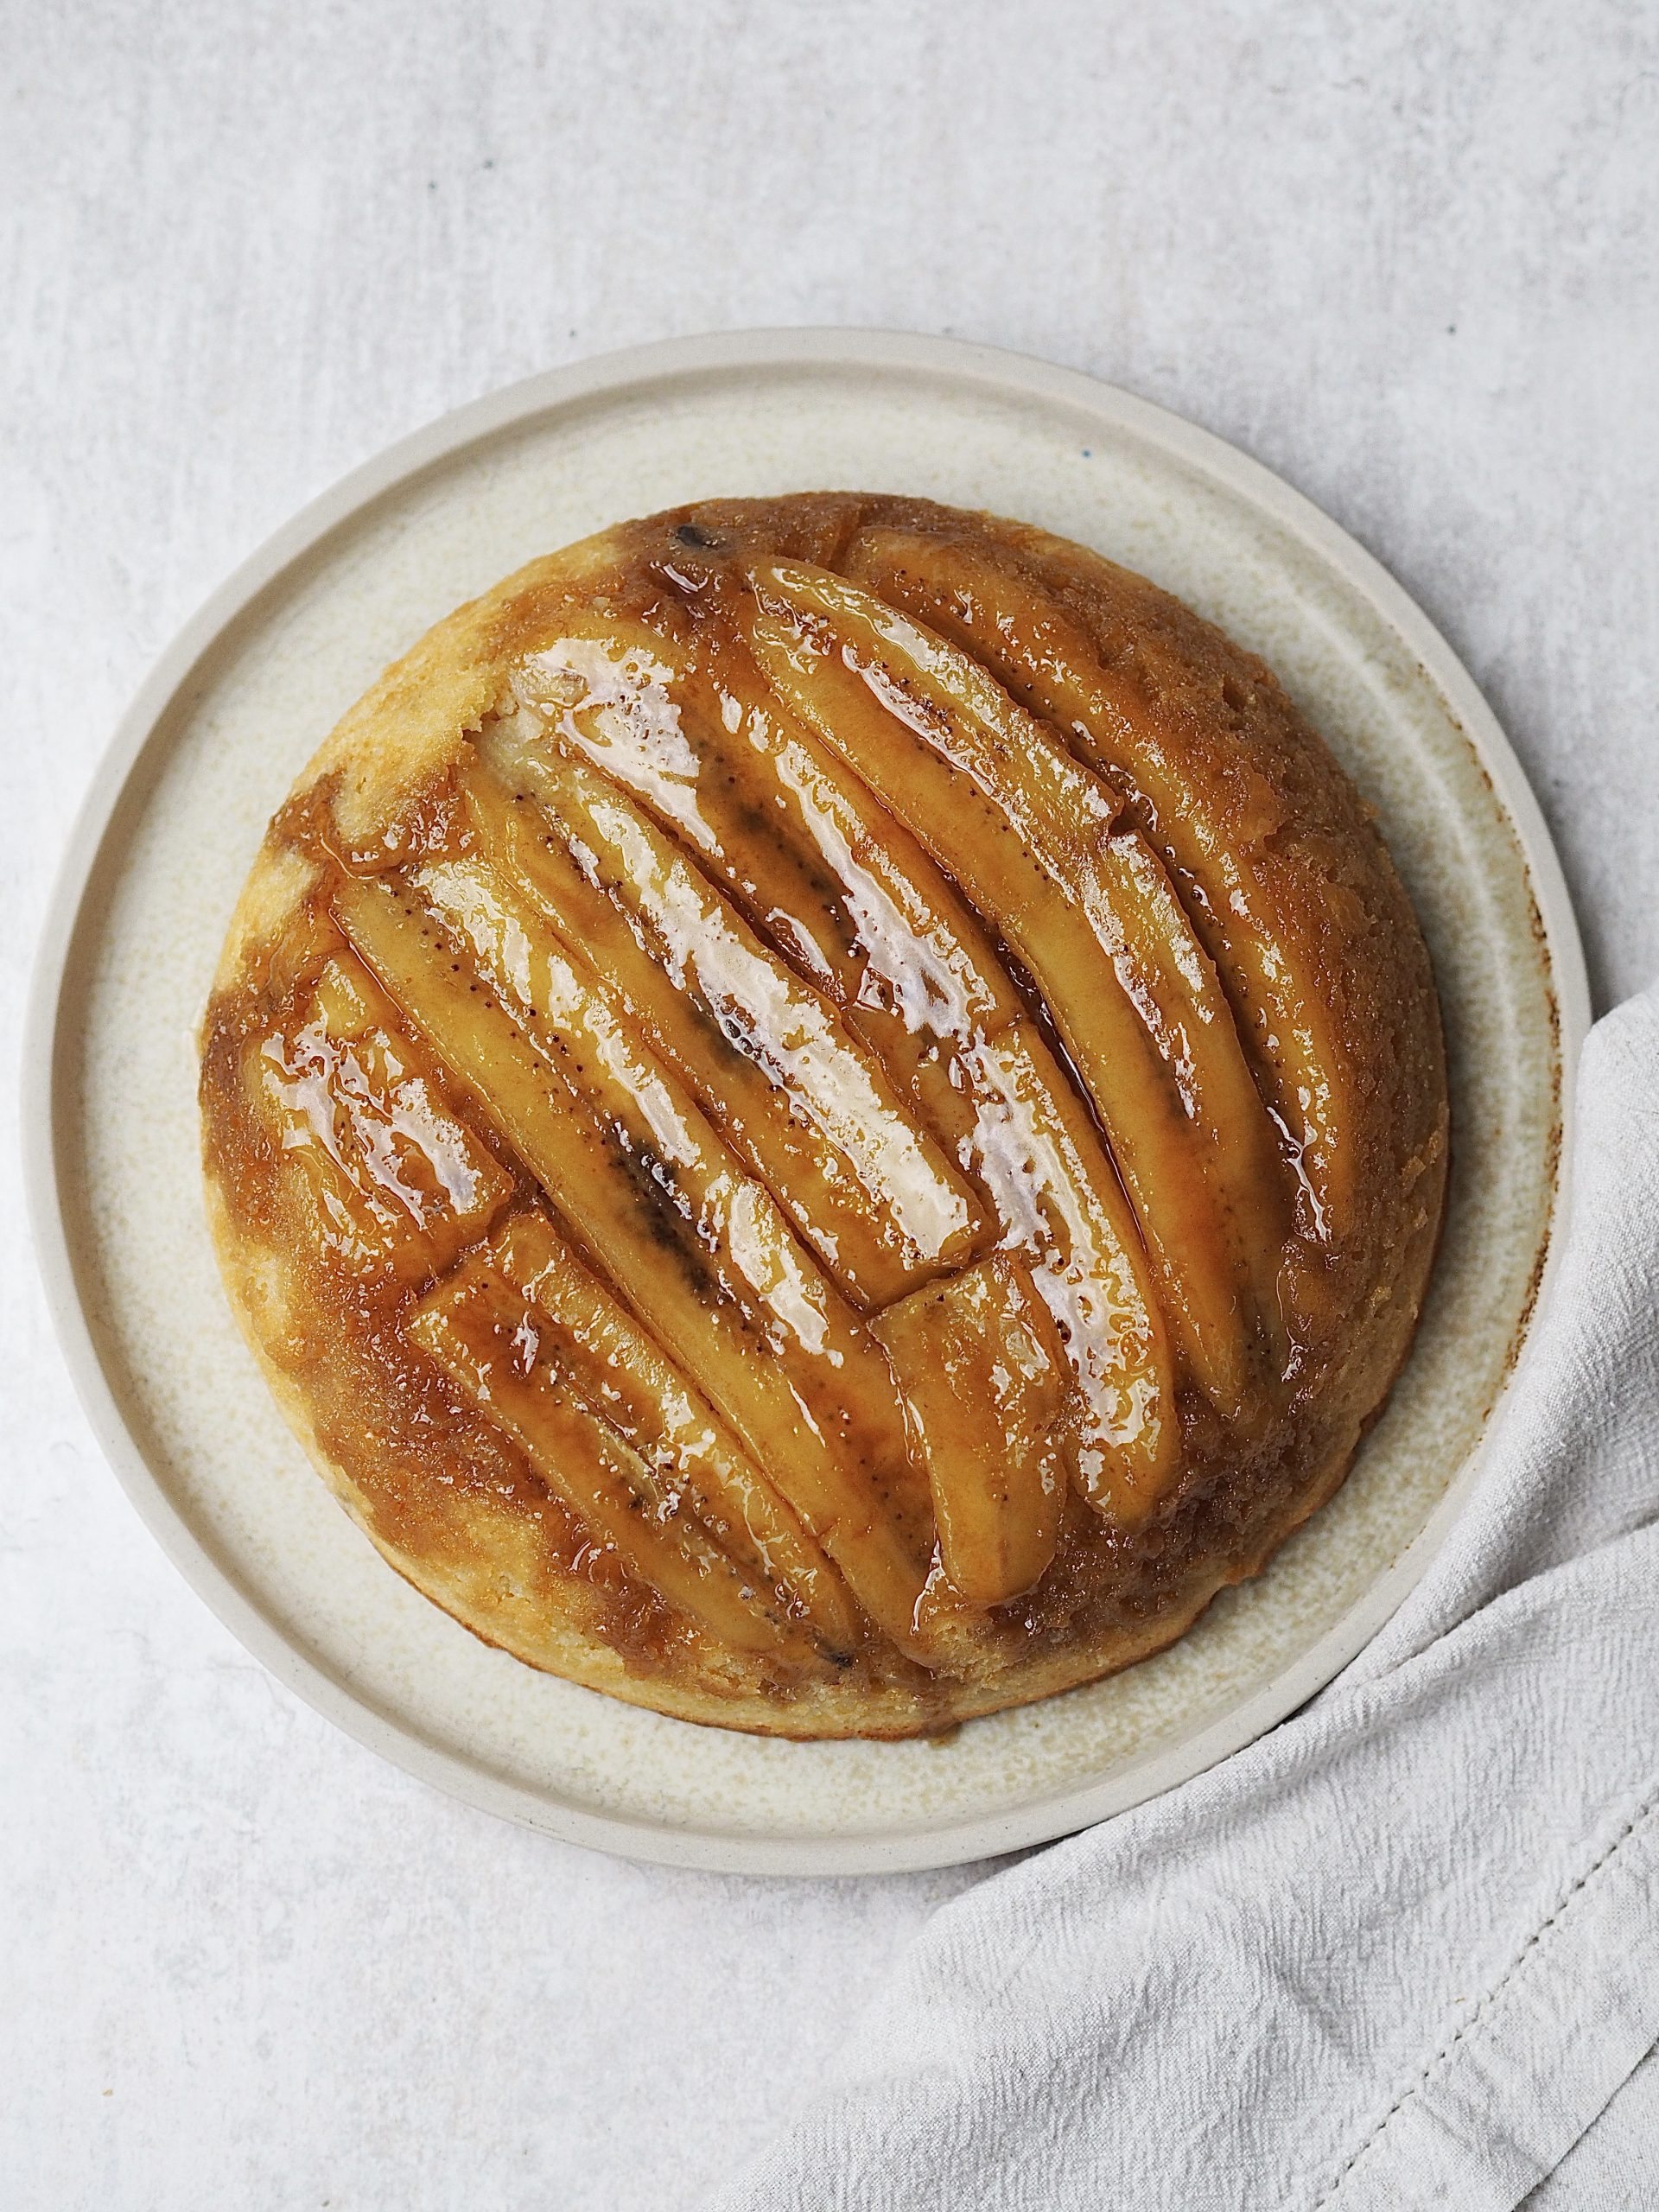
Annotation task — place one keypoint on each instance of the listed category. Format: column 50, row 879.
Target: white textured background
column 1407, row 254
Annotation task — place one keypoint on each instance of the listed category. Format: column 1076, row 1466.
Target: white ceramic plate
column 239, row 703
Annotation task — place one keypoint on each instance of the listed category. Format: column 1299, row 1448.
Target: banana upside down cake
column 826, row 1114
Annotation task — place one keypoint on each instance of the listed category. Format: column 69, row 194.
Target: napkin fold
column 1404, row 1950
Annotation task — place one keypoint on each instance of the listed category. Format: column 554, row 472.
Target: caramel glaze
column 803, row 1048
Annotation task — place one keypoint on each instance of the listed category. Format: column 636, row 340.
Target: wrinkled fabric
column 1403, row 1951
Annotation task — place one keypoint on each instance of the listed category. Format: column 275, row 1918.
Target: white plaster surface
column 1405, row 256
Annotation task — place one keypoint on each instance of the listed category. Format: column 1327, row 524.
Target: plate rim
column 957, row 1838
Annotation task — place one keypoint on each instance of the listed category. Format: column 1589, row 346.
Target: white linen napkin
column 1402, row 1952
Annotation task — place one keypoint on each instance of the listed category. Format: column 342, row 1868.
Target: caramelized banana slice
column 805, row 1103
column 399, row 1185
column 619, row 1374
column 1031, row 835
column 683, row 1247
column 608, row 685
column 1213, row 831
column 985, row 1377
column 1036, row 1152
column 478, row 1331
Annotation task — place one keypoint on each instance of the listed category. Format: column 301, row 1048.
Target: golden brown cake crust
column 1310, row 936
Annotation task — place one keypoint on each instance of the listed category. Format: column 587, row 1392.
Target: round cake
column 826, row 1114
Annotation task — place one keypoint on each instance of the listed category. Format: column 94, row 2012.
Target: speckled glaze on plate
column 240, row 701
